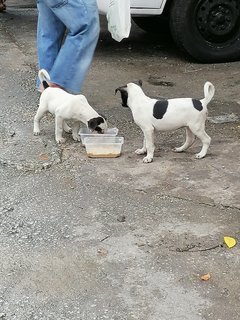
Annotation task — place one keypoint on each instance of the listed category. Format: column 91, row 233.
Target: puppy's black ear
column 140, row 83
column 121, row 89
column 94, row 122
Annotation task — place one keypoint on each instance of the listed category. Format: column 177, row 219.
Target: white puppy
column 66, row 106
column 152, row 114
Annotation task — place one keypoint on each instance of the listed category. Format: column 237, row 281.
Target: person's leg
column 50, row 33
column 75, row 56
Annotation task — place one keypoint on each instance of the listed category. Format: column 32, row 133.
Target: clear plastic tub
column 103, row 146
column 86, row 133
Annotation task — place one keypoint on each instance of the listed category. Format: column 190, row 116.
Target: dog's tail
column 44, row 76
column 209, row 91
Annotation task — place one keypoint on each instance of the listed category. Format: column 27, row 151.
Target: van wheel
column 208, row 30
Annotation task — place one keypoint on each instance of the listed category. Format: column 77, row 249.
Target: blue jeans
column 67, row 61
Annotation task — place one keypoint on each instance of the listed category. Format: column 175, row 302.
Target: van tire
column 208, row 30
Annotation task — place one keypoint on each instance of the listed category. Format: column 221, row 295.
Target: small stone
column 102, row 252
column 12, row 133
column 121, row 218
column 8, row 209
column 46, row 165
column 140, row 244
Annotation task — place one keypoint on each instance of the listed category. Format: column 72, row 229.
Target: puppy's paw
column 147, row 159
column 141, row 151
column 199, row 155
column 76, row 137
column 36, row 133
column 60, row 140
column 177, row 149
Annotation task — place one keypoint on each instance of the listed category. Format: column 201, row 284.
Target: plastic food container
column 85, row 133
column 103, row 146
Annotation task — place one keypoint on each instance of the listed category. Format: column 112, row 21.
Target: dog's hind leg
column 75, row 131
column 190, row 138
column 66, row 127
column 40, row 113
column 205, row 139
column 59, row 129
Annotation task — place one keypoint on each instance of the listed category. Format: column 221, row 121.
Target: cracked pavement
column 115, row 238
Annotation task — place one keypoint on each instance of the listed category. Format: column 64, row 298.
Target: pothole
column 224, row 118
column 156, row 81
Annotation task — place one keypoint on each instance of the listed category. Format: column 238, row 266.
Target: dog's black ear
column 124, row 95
column 121, row 89
column 94, row 122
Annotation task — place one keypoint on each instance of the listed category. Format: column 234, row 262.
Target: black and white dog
column 152, row 114
column 66, row 106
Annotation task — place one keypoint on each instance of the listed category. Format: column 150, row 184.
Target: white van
column 208, row 30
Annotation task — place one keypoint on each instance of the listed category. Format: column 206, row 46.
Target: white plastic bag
column 119, row 19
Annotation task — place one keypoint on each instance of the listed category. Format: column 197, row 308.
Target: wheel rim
column 218, row 21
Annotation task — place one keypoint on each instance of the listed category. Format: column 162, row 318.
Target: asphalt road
column 116, row 238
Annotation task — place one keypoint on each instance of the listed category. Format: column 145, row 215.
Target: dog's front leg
column 149, row 141
column 143, row 150
column 66, row 127
column 75, row 130
column 59, row 129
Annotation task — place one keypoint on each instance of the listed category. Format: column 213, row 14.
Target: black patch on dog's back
column 160, row 108
column 197, row 104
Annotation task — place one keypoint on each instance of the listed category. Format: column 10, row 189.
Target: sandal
column 2, row 5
